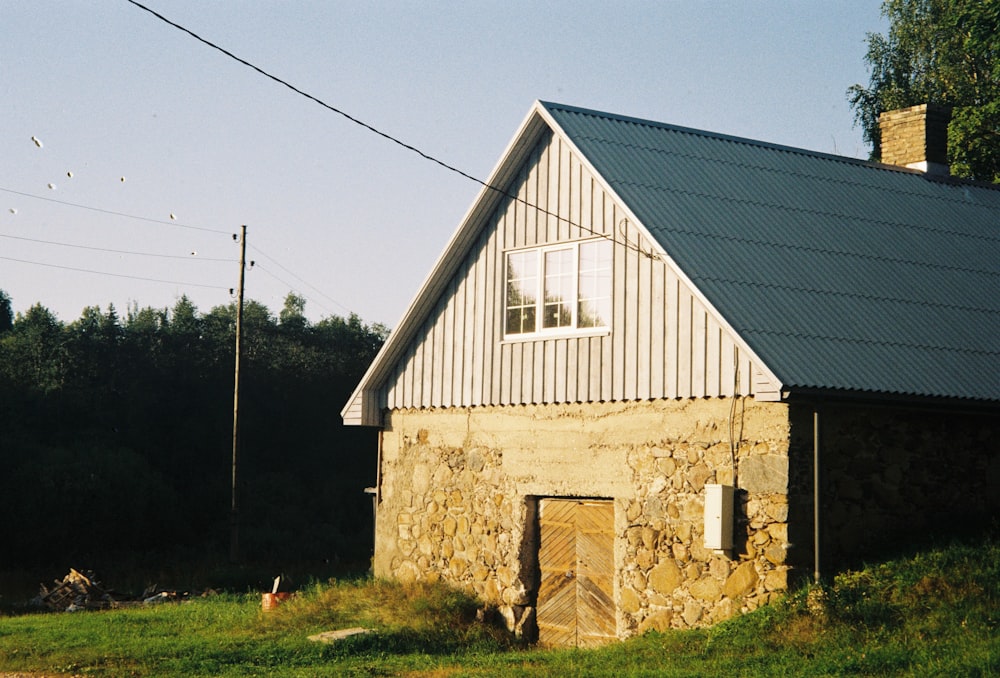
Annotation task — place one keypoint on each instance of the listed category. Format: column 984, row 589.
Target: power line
column 113, row 275
column 148, row 254
column 385, row 135
column 286, row 284
column 297, row 277
column 117, row 214
column 112, row 251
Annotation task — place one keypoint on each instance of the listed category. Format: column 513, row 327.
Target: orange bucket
column 269, row 601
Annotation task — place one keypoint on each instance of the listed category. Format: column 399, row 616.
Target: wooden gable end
column 663, row 342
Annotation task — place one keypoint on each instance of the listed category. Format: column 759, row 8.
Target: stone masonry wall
column 459, row 489
column 892, row 476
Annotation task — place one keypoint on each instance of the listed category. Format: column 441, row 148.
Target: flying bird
column 52, row 186
column 38, row 142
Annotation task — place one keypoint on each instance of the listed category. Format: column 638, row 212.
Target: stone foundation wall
column 892, row 476
column 459, row 489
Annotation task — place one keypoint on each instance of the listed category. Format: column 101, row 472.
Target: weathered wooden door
column 576, row 559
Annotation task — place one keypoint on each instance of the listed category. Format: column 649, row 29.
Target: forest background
column 116, row 438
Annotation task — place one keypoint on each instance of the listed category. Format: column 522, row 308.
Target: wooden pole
column 816, row 496
column 234, row 513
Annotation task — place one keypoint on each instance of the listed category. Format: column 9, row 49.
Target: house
column 660, row 374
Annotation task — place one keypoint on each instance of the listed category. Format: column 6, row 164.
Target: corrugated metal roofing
column 840, row 274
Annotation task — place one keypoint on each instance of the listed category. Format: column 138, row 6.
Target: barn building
column 658, row 374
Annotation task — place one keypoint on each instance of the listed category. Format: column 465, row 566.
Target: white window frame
column 571, row 330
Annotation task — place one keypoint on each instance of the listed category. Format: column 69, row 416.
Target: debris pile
column 82, row 591
column 76, row 591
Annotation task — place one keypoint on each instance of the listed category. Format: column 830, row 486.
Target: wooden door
column 576, row 561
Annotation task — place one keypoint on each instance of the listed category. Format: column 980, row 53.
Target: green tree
column 6, row 313
column 292, row 316
column 944, row 52
column 34, row 355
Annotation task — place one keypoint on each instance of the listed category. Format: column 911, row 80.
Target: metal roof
column 840, row 274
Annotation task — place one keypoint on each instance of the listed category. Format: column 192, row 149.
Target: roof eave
column 530, row 130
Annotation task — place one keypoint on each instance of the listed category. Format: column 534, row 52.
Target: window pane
column 522, row 292
column 558, row 306
column 594, row 302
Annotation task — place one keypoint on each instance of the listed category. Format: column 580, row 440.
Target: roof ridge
column 944, row 179
column 714, row 135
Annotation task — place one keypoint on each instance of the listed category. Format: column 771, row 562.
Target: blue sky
column 157, row 148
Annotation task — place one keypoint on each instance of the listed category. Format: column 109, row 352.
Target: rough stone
column 692, row 613
column 765, row 474
column 475, row 461
column 776, row 580
column 666, row 466
column 706, row 589
column 458, row 566
column 719, row 567
column 644, row 558
column 698, row 475
column 776, row 553
column 778, row 531
column 665, row 577
column 659, row 621
column 630, row 601
column 680, row 552
column 741, row 581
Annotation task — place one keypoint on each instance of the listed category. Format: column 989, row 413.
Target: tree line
column 116, row 433
column 943, row 52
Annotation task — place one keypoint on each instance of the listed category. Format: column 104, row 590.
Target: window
column 559, row 288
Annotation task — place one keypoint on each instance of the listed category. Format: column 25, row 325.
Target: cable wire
column 117, row 214
column 290, row 287
column 105, row 249
column 113, row 275
column 297, row 277
column 148, row 254
column 385, row 135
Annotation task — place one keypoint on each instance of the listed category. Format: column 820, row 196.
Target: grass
column 932, row 613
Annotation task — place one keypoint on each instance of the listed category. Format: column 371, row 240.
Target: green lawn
column 932, row 614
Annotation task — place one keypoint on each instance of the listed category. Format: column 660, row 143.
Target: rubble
column 82, row 591
column 76, row 591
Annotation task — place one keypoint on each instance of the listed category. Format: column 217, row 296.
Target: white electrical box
column 719, row 517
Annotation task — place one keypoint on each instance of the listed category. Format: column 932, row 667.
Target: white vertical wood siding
column 663, row 343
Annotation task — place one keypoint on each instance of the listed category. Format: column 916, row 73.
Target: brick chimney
column 916, row 137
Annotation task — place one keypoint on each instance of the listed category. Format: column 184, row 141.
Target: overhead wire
column 290, row 286
column 113, row 275
column 150, row 254
column 117, row 214
column 114, row 251
column 297, row 277
column 385, row 135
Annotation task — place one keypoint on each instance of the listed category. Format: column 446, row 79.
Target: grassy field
column 933, row 613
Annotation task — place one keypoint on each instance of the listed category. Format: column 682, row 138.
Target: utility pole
column 234, row 513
